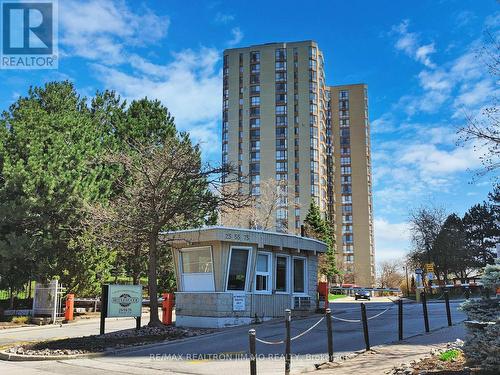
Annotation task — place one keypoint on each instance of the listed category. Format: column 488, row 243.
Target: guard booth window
column 281, row 274
column 197, row 270
column 299, row 275
column 263, row 273
column 237, row 273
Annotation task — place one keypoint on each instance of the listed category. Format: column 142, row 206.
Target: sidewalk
column 385, row 357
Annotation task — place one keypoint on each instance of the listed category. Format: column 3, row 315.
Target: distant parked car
column 362, row 294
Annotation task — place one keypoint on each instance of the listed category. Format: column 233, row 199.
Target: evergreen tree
column 450, row 252
column 50, row 151
column 481, row 232
column 321, row 229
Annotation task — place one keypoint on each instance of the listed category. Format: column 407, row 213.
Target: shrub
column 20, row 319
column 449, row 355
column 482, row 343
column 491, row 276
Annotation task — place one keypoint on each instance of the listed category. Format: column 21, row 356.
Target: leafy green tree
column 319, row 228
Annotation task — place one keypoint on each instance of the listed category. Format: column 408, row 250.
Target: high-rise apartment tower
column 282, row 123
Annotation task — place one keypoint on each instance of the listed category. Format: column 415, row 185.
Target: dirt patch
column 449, row 360
column 436, row 365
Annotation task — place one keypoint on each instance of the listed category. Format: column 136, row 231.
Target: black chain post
column 253, row 355
column 448, row 311
column 329, row 332
column 288, row 317
column 424, row 307
column 400, row 319
column 365, row 326
column 104, row 308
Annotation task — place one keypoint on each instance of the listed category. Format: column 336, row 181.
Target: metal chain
column 394, row 300
column 317, row 323
column 346, row 320
column 307, row 330
column 269, row 342
column 383, row 312
column 293, row 338
column 442, row 294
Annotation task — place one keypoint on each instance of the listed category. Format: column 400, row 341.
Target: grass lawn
column 333, row 297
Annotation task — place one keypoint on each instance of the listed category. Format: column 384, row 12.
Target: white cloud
column 435, row 80
column 422, row 54
column 473, row 94
column 383, row 124
column 432, row 161
column 188, row 86
column 237, row 36
column 102, row 30
column 392, row 240
column 109, row 33
column 423, row 161
column 409, row 43
column 223, row 18
column 464, row 17
column 493, row 20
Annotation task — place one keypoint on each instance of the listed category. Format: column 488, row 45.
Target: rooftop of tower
column 309, row 41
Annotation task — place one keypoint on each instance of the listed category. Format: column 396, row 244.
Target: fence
column 350, row 291
column 329, row 318
column 48, row 300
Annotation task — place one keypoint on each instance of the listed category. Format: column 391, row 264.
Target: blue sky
column 418, row 58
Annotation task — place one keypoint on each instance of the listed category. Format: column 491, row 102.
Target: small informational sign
column 418, row 277
column 238, row 302
column 124, row 301
column 429, row 268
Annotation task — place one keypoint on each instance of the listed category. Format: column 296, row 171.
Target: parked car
column 362, row 294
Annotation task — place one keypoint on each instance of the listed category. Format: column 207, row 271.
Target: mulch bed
column 108, row 341
column 434, row 365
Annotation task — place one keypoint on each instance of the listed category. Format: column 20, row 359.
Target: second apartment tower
column 282, row 124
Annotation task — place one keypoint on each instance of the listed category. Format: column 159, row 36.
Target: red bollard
column 167, row 307
column 323, row 290
column 70, row 304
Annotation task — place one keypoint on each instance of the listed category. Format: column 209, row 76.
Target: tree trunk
column 136, row 272
column 154, row 320
column 11, row 298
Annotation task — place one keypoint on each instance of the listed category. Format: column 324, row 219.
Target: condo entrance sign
column 121, row 301
column 124, row 301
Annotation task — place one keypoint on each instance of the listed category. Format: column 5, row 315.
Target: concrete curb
column 58, row 325
column 4, row 356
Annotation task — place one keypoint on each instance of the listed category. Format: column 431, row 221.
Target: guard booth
column 231, row 276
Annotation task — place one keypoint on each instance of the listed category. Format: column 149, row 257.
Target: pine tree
column 481, row 232
column 50, row 147
column 321, row 229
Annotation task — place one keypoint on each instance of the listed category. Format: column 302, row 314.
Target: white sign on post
column 238, row 302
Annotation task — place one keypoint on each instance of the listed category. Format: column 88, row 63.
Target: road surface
column 184, row 356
